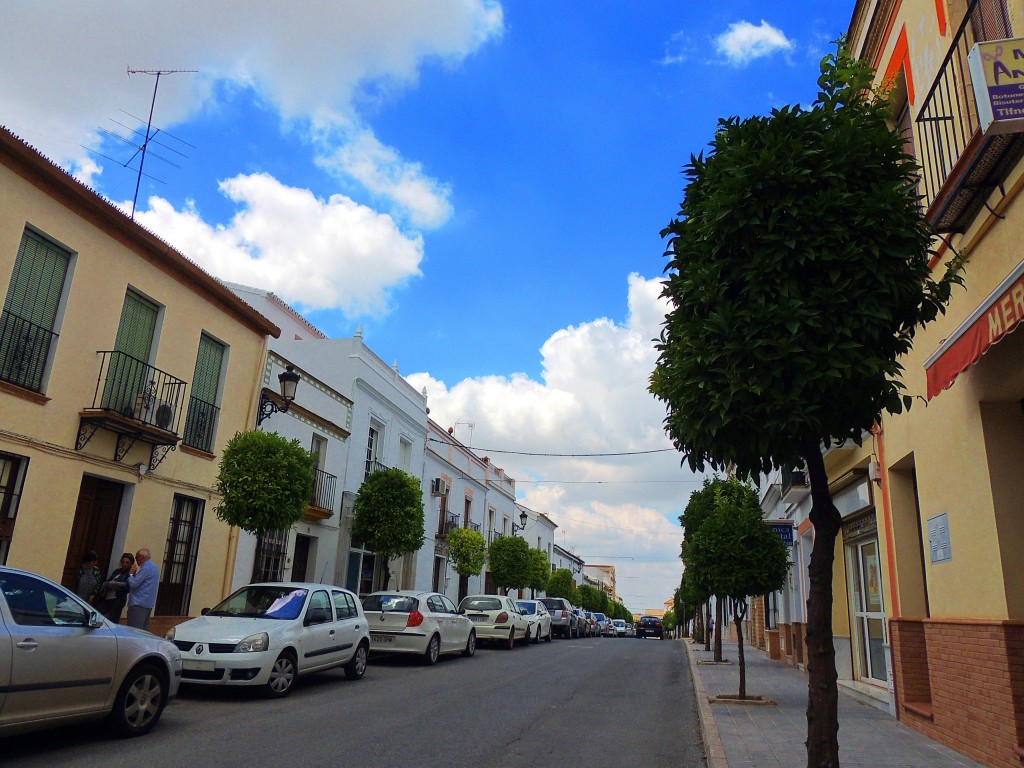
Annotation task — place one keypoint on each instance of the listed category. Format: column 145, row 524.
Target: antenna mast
column 149, row 123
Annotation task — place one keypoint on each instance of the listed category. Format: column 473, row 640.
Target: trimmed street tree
column 510, row 562
column 540, row 571
column 738, row 555
column 389, row 515
column 560, row 585
column 698, row 509
column 265, row 482
column 798, row 274
column 467, row 551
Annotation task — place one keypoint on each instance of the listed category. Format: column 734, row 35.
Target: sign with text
column 997, row 71
column 784, row 531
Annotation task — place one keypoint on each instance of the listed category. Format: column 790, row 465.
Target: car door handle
column 28, row 645
column 332, row 633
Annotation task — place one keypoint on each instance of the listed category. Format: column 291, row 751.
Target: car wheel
column 511, row 642
column 548, row 638
column 356, row 668
column 433, row 651
column 282, row 675
column 470, row 648
column 536, row 640
column 139, row 702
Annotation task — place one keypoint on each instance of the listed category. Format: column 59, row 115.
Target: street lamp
column 289, row 381
column 522, row 521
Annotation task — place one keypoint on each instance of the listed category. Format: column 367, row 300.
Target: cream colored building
column 124, row 369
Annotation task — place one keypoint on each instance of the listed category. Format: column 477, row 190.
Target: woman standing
column 114, row 591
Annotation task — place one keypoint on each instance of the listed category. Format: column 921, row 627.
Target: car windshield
column 552, row 604
column 263, row 602
column 599, row 617
column 481, row 604
column 392, row 603
column 527, row 607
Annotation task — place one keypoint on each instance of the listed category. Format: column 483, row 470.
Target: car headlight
column 253, row 643
column 170, row 635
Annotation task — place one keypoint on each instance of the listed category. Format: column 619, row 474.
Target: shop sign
column 784, row 531
column 997, row 72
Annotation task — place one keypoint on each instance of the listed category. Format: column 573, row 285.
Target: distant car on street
column 601, row 620
column 650, row 626
column 620, row 627
column 540, row 620
column 496, row 618
column 563, row 620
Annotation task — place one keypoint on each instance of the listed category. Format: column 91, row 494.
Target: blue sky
column 479, row 186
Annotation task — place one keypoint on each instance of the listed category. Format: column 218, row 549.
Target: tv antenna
column 472, row 428
column 150, row 133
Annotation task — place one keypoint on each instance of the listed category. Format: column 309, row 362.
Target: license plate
column 479, row 617
column 199, row 666
column 382, row 638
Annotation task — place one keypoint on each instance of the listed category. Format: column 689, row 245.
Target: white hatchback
column 496, row 617
column 266, row 635
column 540, row 620
column 425, row 624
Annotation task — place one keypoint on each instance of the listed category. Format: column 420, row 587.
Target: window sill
column 24, row 394
column 920, row 708
column 197, row 452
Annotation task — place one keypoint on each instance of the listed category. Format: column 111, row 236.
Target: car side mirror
column 205, row 611
column 95, row 620
column 462, row 611
column 315, row 616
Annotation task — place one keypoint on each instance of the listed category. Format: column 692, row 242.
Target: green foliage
column 735, row 553
column 467, row 550
column 560, row 585
column 589, row 597
column 511, row 562
column 540, row 570
column 265, row 482
column 669, row 621
column 389, row 513
column 797, row 276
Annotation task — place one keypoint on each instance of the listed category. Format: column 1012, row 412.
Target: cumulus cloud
column 312, row 66
column 592, row 399
column 315, row 253
column 743, row 42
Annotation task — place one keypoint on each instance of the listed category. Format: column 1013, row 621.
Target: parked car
column 591, row 623
column 619, row 625
column 608, row 630
column 266, row 635
column 563, row 620
column 582, row 623
column 496, row 618
column 630, row 631
column 540, row 620
column 62, row 662
column 601, row 621
column 650, row 626
column 419, row 623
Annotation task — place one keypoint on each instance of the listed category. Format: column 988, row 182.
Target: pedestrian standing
column 114, row 592
column 89, row 578
column 142, row 586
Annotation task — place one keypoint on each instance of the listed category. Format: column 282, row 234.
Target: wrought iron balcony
column 138, row 402
column 493, row 536
column 473, row 526
column 374, row 466
column 24, row 349
column 200, row 424
column 794, row 484
column 447, row 522
column 959, row 166
column 321, row 499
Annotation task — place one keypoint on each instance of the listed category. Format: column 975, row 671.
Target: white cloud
column 678, row 49
column 743, row 42
column 315, row 253
column 313, row 64
column 592, row 399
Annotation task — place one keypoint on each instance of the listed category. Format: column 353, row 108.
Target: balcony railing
column 447, row 522
column 373, row 465
column 24, row 349
column 473, row 526
column 135, row 390
column 200, row 424
column 493, row 536
column 959, row 166
column 324, row 485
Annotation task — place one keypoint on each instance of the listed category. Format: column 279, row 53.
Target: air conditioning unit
column 152, row 410
column 438, row 487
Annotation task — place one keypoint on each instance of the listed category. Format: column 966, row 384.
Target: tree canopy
column 467, row 550
column 540, row 570
column 510, row 562
column 389, row 514
column 265, row 482
column 560, row 585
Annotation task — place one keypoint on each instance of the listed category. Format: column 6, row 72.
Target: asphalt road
column 590, row 702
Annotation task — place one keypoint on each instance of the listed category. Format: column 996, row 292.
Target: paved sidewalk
column 767, row 736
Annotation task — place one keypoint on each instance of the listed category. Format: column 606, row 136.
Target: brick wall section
column 972, row 676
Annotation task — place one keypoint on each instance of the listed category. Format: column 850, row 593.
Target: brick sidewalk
column 770, row 736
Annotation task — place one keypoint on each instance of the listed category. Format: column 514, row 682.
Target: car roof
column 404, row 592
column 295, row 585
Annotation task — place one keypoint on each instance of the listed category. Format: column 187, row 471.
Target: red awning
column 1000, row 313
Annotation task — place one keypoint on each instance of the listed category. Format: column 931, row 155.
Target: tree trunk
column 707, row 625
column 463, row 587
column 739, row 655
column 719, row 616
column 698, row 624
column 822, row 686
column 387, row 572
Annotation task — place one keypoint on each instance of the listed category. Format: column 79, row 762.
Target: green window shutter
column 137, row 327
column 40, row 269
column 208, row 365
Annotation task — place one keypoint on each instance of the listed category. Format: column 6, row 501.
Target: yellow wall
column 103, row 268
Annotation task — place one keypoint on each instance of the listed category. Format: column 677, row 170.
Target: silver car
column 62, row 662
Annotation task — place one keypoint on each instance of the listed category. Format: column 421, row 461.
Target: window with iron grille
column 201, row 422
column 179, row 569
column 270, row 554
column 12, row 477
column 28, row 324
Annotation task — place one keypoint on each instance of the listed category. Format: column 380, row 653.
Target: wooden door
column 99, row 504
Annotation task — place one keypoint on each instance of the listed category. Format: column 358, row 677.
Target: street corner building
column 928, row 583
column 124, row 370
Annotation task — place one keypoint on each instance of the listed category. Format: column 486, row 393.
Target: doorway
column 869, row 613
column 99, row 504
column 300, row 559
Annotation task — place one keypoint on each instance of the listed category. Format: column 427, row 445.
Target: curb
column 714, row 749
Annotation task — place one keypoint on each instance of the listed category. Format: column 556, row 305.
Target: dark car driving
column 650, row 626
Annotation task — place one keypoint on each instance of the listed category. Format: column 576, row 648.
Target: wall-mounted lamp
column 288, row 380
column 522, row 521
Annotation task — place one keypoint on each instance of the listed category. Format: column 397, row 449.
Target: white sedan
column 497, row 618
column 424, row 624
column 539, row 618
column 266, row 635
